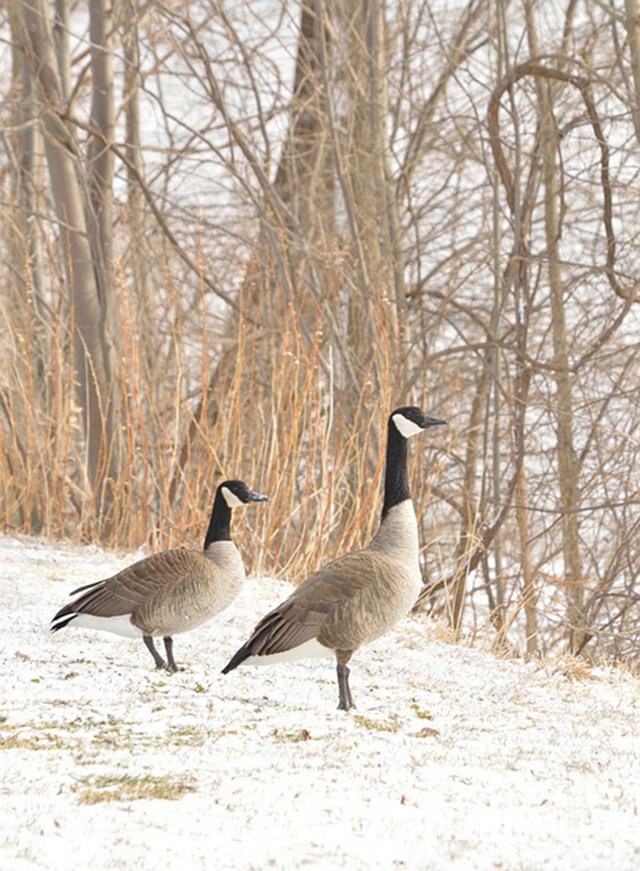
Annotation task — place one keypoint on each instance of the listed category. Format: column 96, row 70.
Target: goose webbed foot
column 346, row 701
column 159, row 661
column 172, row 666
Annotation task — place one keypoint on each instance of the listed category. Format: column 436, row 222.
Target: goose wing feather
column 123, row 592
column 323, row 602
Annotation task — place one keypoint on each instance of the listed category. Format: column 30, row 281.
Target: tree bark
column 93, row 373
column 469, row 534
column 567, row 466
column 632, row 23
column 305, row 175
column 567, row 463
column 23, row 231
column 378, row 282
column 529, row 595
column 61, row 42
column 138, row 260
column 99, row 155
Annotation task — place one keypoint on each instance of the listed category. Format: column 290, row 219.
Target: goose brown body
column 352, row 600
column 169, row 592
column 211, row 582
column 359, row 596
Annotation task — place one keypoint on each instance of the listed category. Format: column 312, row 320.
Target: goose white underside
column 311, row 649
column 120, row 625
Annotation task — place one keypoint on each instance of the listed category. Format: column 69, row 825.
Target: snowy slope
column 454, row 759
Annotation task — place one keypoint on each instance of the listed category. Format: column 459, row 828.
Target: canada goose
column 359, row 596
column 171, row 591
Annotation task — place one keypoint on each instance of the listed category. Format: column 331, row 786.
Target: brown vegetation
column 235, row 238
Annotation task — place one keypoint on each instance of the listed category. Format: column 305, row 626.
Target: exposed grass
column 36, row 740
column 127, row 787
column 88, row 732
column 420, row 712
column 571, row 667
column 393, row 724
column 186, row 736
column 293, row 737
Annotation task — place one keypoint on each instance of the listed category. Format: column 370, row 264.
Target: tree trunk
column 93, row 373
column 138, row 261
column 469, row 532
column 99, row 155
column 23, row 231
column 529, row 596
column 305, row 176
column 100, row 224
column 567, row 462
column 632, row 24
column 567, row 465
column 61, row 42
column 285, row 264
column 378, row 282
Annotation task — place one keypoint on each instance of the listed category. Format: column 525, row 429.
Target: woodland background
column 236, row 234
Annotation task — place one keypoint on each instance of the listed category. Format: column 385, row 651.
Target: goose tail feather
column 62, row 618
column 237, row 659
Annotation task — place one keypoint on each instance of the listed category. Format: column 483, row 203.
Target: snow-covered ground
column 454, row 759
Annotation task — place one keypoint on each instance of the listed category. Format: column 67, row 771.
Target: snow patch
column 453, row 760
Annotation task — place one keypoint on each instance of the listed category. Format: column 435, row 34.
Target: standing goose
column 171, row 591
column 359, row 596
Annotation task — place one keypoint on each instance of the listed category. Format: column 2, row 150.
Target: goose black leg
column 346, row 702
column 159, row 661
column 168, row 646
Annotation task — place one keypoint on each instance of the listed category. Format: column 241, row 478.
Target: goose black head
column 410, row 419
column 236, row 493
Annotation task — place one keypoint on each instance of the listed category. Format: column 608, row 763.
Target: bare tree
column 275, row 223
column 89, row 297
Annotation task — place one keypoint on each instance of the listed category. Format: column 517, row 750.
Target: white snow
column 454, row 759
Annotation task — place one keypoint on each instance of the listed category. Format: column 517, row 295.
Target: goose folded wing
column 123, row 592
column 318, row 601
column 284, row 628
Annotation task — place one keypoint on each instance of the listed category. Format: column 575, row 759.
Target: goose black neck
column 220, row 523
column 396, row 481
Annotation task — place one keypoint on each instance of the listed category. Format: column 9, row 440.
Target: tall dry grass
column 199, row 407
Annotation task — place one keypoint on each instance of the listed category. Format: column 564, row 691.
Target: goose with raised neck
column 361, row 595
column 168, row 592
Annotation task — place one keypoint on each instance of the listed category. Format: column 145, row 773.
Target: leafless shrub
column 318, row 212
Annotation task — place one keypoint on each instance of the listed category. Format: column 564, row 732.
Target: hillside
column 454, row 759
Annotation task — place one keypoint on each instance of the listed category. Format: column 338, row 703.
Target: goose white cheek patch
column 231, row 499
column 406, row 427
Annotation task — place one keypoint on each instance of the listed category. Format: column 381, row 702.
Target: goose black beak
column 432, row 421
column 256, row 497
